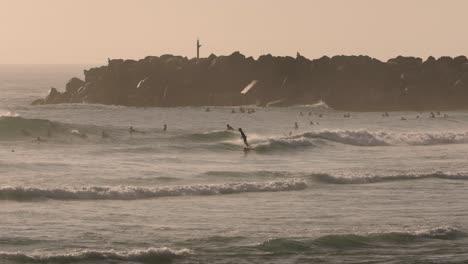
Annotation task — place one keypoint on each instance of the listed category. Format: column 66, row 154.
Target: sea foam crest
column 134, row 193
column 349, row 241
column 374, row 138
column 150, row 255
column 278, row 144
column 363, row 179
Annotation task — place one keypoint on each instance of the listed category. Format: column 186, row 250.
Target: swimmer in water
column 244, row 137
column 25, row 132
column 104, row 134
column 230, row 128
column 165, row 128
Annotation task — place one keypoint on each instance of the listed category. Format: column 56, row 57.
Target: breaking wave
column 283, row 144
column 363, row 179
column 210, row 136
column 371, row 138
column 150, row 255
column 20, row 193
column 349, row 241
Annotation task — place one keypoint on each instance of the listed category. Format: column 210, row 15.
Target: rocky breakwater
column 357, row 83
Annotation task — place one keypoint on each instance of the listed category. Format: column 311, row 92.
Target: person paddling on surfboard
column 230, row 128
column 244, row 137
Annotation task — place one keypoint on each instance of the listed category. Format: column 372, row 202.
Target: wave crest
column 334, row 179
column 283, row 144
column 21, row 193
column 373, row 138
column 349, row 241
column 149, row 255
column 215, row 135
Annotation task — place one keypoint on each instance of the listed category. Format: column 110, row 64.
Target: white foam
column 134, row 193
column 372, row 138
column 150, row 255
column 8, row 113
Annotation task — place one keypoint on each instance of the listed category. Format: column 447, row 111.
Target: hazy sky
column 90, row 31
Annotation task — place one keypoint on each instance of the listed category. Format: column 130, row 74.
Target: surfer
column 165, row 127
column 296, row 126
column 131, row 130
column 230, row 128
column 244, row 137
column 25, row 133
column 104, row 134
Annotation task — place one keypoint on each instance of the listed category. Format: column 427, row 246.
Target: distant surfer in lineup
column 244, row 137
column 131, row 130
column 104, row 134
column 165, row 127
column 230, row 128
column 25, row 132
column 296, row 126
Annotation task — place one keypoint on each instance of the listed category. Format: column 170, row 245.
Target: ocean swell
column 363, row 179
column 21, row 193
column 350, row 241
column 374, row 138
column 150, row 255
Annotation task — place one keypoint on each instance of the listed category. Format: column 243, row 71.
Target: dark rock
column 73, row 85
column 343, row 82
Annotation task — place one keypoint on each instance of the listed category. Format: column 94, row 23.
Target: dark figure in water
column 25, row 133
column 432, row 115
column 39, row 139
column 165, row 128
column 104, row 134
column 131, row 130
column 244, row 137
column 230, row 128
column 296, row 126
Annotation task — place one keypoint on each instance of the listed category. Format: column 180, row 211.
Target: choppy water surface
column 364, row 189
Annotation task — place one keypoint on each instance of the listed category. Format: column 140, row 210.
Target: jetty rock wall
column 355, row 83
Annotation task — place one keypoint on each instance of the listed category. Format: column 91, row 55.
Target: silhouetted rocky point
column 343, row 82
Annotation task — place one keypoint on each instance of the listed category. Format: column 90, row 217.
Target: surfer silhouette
column 165, row 127
column 104, row 134
column 230, row 128
column 244, row 137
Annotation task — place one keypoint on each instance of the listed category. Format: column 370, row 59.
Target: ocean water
column 364, row 189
